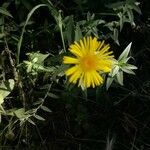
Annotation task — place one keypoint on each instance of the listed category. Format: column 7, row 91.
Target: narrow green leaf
column 109, row 82
column 53, row 95
column 135, row 7
column 38, row 102
column 30, row 121
column 1, row 99
column 78, row 33
column 125, row 60
column 127, row 71
column 39, row 117
column 125, row 53
column 121, row 21
column 129, row 66
column 2, row 111
column 115, row 36
column 70, row 33
column 131, row 16
column 120, row 77
column 115, row 71
column 45, row 109
column 3, row 11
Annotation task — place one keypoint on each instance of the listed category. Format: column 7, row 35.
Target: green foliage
column 5, row 89
column 121, row 66
column 124, row 12
column 39, row 109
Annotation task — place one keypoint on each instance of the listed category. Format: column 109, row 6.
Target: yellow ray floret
column 90, row 59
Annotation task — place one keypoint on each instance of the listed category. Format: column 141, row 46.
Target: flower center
column 88, row 63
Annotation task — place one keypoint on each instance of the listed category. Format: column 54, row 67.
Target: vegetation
column 41, row 107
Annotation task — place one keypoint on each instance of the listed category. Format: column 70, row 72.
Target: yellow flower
column 91, row 59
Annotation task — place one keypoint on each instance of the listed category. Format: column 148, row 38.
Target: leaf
column 135, row 7
column 38, row 102
column 121, row 21
column 45, row 109
column 78, row 33
column 61, row 69
column 20, row 113
column 131, row 16
column 53, row 95
column 125, row 53
column 116, row 5
column 127, row 71
column 1, row 99
column 115, row 35
column 30, row 121
column 10, row 112
column 2, row 35
column 37, row 57
column 39, row 117
column 42, row 68
column 69, row 29
column 125, row 60
column 5, row 89
column 110, row 143
column 3, row 11
column 109, row 82
column 115, row 71
column 2, row 111
column 129, row 66
column 120, row 77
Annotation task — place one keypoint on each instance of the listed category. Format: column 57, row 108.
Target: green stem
column 62, row 38
column 60, row 24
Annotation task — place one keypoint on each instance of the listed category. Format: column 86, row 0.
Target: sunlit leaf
column 20, row 113
column 127, row 71
column 30, row 121
column 125, row 53
column 38, row 56
column 129, row 66
column 120, row 77
column 5, row 89
column 109, row 82
column 1, row 99
column 39, row 117
column 115, row 71
column 45, row 108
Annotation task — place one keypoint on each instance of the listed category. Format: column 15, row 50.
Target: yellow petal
column 70, row 60
column 76, row 50
column 71, row 70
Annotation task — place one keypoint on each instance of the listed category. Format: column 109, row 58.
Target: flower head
column 91, row 59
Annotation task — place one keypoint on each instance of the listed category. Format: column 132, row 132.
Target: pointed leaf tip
column 125, row 53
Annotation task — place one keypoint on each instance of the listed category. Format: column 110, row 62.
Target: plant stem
column 62, row 38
